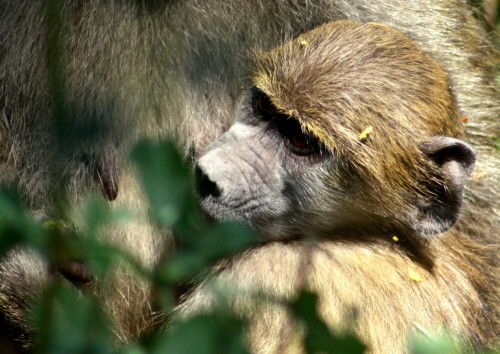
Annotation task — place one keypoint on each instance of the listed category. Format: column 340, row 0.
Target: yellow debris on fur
column 365, row 133
column 416, row 277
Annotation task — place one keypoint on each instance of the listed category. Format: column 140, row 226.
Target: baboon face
column 255, row 172
column 345, row 130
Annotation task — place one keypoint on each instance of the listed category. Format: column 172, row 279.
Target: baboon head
column 349, row 129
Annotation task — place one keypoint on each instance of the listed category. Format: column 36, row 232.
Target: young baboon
column 350, row 136
column 121, row 70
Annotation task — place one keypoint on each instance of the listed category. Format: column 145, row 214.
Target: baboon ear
column 455, row 160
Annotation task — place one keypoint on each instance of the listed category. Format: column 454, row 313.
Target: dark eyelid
column 262, row 105
column 288, row 127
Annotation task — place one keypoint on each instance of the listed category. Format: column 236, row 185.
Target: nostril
column 204, row 186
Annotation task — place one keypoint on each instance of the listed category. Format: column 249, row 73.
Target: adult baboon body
column 155, row 69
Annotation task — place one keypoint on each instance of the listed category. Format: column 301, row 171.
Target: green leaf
column 166, row 180
column 226, row 239
column 318, row 338
column 68, row 322
column 15, row 226
column 12, row 222
column 496, row 142
column 435, row 345
column 206, row 334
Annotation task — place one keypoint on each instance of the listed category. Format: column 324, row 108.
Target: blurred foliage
column 318, row 338
column 496, row 142
column 488, row 12
column 69, row 322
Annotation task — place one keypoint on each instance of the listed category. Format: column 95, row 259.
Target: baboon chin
column 350, row 136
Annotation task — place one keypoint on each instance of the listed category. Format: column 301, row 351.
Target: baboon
column 123, row 70
column 350, row 136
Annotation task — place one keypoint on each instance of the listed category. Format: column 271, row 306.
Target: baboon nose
column 204, row 185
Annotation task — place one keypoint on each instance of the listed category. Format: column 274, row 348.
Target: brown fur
column 174, row 68
column 337, row 80
column 337, row 89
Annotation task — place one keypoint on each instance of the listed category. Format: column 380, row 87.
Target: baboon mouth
column 222, row 211
column 77, row 273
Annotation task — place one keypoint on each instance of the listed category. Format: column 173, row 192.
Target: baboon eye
column 298, row 142
column 262, row 105
column 303, row 144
